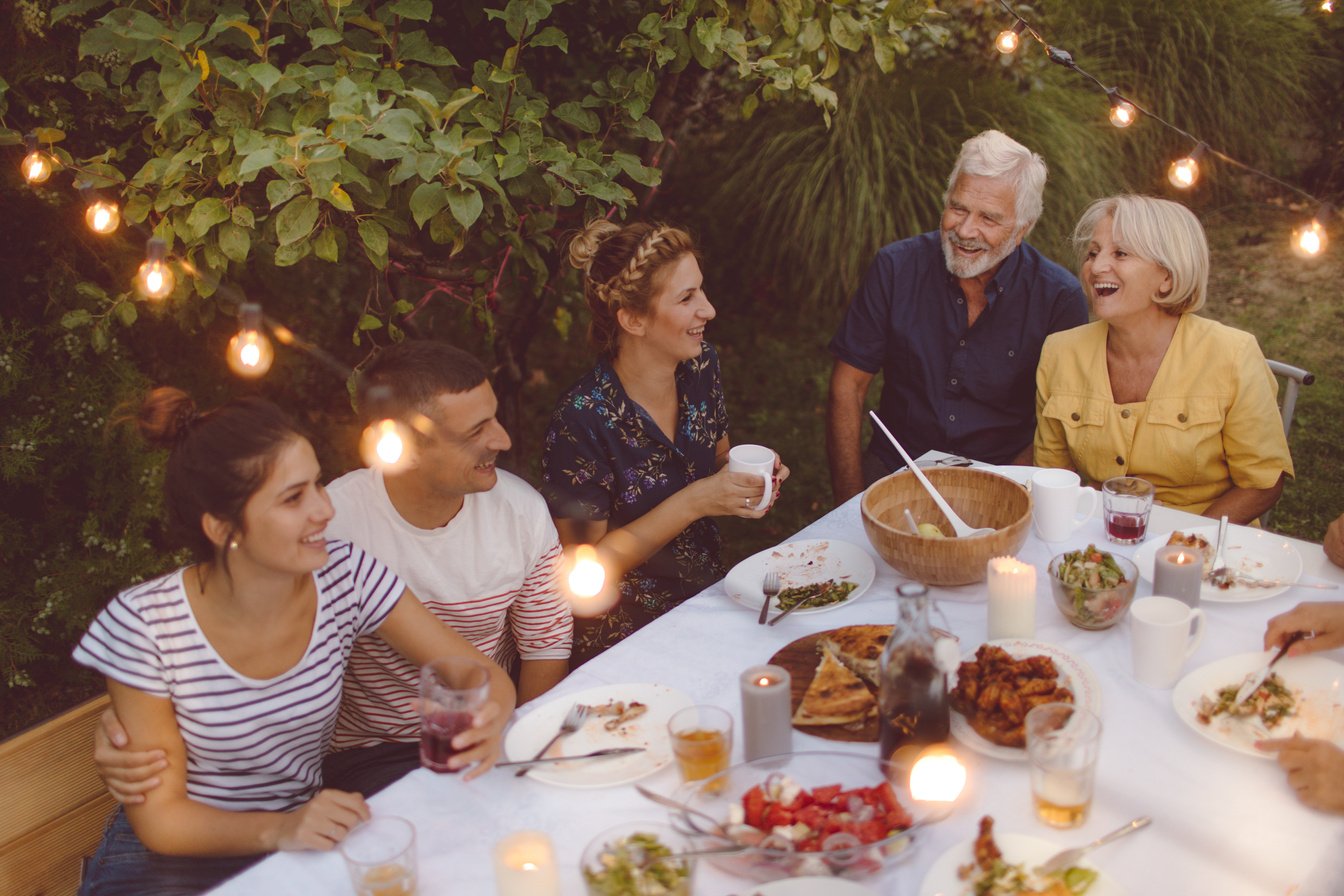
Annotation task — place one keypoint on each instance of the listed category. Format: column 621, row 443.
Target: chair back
column 1294, row 379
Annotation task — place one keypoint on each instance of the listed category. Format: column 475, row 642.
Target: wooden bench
column 57, row 803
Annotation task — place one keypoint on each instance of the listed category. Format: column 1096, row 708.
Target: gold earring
column 233, row 545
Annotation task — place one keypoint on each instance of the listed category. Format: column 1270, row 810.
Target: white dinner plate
column 1317, row 681
column 1075, row 674
column 1252, row 552
column 1018, row 849
column 802, row 563
column 530, row 733
column 807, row 886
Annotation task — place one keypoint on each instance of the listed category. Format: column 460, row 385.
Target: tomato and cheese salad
column 810, row 820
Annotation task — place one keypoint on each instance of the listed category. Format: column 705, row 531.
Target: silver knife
column 610, row 753
column 1254, row 679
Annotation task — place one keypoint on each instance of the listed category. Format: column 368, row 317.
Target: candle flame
column 588, row 575
column 529, row 866
column 938, row 776
column 764, row 681
column 1182, row 558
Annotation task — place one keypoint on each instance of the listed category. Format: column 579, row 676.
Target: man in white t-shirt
column 475, row 544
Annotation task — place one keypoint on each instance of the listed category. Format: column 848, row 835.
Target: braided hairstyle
column 621, row 269
column 216, row 460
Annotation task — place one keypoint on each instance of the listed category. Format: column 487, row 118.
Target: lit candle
column 525, row 866
column 1178, row 572
column 767, row 717
column 1012, row 599
column 937, row 777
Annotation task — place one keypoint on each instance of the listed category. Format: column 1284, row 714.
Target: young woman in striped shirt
column 232, row 666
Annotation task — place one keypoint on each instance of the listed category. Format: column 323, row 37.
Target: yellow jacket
column 1210, row 421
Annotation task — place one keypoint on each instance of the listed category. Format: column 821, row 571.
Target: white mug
column 757, row 460
column 1057, row 498
column 1164, row 632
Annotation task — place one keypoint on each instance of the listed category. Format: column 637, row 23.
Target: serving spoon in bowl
column 958, row 524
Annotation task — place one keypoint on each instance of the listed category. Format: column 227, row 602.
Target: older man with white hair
column 954, row 319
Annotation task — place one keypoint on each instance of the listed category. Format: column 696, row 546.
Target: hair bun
column 165, row 416
column 583, row 248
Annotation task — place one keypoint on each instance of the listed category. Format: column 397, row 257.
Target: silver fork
column 770, row 588
column 1221, row 576
column 573, row 721
column 1061, row 860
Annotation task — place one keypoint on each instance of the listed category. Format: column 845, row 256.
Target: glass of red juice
column 452, row 690
column 1126, row 502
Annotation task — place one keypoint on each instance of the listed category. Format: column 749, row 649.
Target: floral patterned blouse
column 605, row 459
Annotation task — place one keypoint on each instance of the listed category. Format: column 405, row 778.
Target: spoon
column 689, row 813
column 958, row 524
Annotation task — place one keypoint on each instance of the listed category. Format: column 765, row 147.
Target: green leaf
column 264, row 74
column 636, row 170
column 89, row 81
column 322, row 37
column 73, row 320
column 466, row 205
column 416, row 47
column 325, row 246
column 369, row 322
column 205, row 214
column 296, row 220
column 256, row 161
column 811, row 36
column 137, row 208
column 126, row 313
column 292, row 254
column 420, row 10
column 374, row 237
column 341, row 199
column 845, row 31
column 749, row 105
column 243, row 217
column 885, row 54
column 235, row 241
column 427, row 200
column 581, row 118
column 647, row 128
column 550, row 36
column 401, row 306
column 278, row 191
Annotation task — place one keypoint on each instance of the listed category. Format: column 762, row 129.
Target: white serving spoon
column 958, row 524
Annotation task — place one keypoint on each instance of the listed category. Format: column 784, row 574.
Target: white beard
column 970, row 268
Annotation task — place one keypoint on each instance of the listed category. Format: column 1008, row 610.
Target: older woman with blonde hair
column 1150, row 389
column 635, row 458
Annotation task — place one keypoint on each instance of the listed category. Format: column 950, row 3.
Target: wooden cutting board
column 800, row 658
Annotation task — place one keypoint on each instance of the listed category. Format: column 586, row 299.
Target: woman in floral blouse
column 635, row 457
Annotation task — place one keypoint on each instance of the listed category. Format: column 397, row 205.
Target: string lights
column 1308, row 240
column 37, row 165
column 156, row 279
column 250, row 353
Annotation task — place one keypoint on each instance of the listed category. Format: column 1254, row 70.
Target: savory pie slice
column 836, row 696
column 859, row 647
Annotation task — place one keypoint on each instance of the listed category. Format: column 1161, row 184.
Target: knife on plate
column 610, row 753
column 1254, row 679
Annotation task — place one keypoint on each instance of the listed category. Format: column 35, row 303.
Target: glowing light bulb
column 384, row 444
column 937, row 776
column 1183, row 173
column 103, row 216
column 37, row 167
column 156, row 279
column 1327, row 6
column 1309, row 240
column 1008, row 41
column 1122, row 113
column 588, row 575
column 250, row 353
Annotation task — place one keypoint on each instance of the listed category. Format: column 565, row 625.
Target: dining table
column 1223, row 822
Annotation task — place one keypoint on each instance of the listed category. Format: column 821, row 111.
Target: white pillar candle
column 1012, row 599
column 767, row 714
column 1178, row 572
column 525, row 866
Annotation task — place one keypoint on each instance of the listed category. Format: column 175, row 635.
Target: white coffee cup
column 1060, row 503
column 1164, row 632
column 757, row 460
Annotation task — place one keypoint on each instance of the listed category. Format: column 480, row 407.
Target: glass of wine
column 452, row 690
column 1126, row 502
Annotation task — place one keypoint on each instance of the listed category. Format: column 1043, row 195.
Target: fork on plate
column 573, row 721
column 770, row 588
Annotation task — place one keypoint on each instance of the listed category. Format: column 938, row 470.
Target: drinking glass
column 1062, row 745
column 380, row 856
column 452, row 690
column 1126, row 502
column 702, row 740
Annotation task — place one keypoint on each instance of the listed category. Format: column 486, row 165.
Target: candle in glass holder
column 1012, row 599
column 1178, row 572
column 767, row 715
column 525, row 866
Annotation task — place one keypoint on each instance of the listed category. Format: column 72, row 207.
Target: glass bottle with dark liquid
column 912, row 698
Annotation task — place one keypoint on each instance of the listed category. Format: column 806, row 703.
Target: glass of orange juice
column 702, row 740
column 380, row 856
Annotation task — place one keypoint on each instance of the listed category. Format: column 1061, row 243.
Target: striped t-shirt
column 251, row 744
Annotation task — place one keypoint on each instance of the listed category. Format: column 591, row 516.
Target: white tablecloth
column 1223, row 823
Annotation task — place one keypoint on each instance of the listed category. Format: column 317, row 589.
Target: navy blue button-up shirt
column 946, row 386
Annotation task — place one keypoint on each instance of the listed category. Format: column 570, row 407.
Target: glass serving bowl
column 627, row 860
column 1094, row 608
column 773, row 856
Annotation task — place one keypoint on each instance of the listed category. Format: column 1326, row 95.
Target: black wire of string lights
column 1309, row 239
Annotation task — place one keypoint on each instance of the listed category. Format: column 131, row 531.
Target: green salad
column 1092, row 574
column 635, row 866
column 818, row 594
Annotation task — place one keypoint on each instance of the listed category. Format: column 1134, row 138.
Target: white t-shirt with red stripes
column 492, row 574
